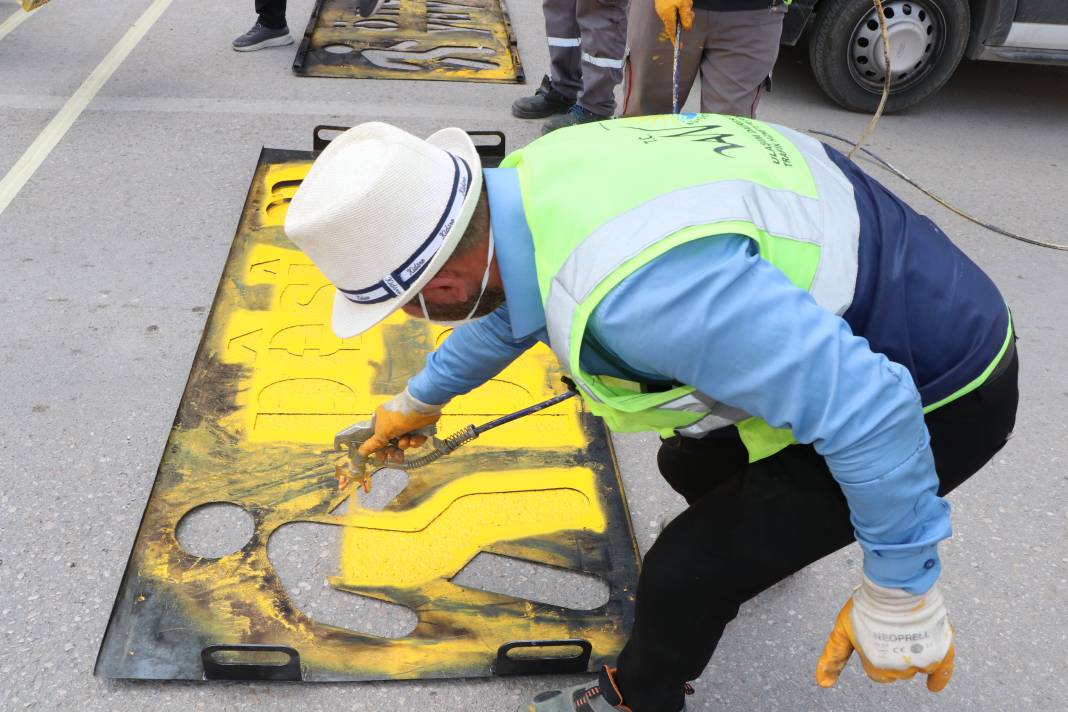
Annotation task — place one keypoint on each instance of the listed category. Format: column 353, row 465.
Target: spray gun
column 360, row 468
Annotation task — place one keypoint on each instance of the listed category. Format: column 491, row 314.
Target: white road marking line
column 57, row 128
column 12, row 22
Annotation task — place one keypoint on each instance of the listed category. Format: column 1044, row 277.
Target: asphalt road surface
column 114, row 246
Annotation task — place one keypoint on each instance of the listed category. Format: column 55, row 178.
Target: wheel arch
column 991, row 20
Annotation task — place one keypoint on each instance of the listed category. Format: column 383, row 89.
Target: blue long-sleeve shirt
column 716, row 316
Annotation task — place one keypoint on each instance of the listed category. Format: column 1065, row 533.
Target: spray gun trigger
column 352, row 437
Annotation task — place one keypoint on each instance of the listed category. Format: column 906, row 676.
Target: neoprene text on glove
column 398, row 419
column 674, row 12
column 896, row 634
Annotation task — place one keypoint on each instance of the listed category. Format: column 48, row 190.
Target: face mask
column 474, row 308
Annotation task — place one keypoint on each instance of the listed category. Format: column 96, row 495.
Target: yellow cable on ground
column 886, row 81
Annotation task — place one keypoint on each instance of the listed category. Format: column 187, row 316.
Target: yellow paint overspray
column 271, row 385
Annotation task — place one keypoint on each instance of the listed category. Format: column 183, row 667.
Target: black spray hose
column 944, row 203
column 462, row 437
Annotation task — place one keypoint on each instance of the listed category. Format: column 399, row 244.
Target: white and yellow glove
column 398, row 419
column 672, row 13
column 896, row 634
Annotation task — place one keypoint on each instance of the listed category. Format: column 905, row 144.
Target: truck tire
column 927, row 41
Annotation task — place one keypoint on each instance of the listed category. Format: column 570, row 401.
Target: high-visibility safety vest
column 649, row 184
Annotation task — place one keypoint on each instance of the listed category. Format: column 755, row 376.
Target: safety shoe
column 545, row 102
column 259, row 37
column 575, row 115
column 602, row 695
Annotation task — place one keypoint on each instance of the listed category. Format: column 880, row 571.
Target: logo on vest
column 777, row 152
column 712, row 134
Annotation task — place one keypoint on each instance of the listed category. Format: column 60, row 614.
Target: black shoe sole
column 281, row 41
column 521, row 114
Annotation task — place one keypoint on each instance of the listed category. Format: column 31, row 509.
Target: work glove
column 895, row 633
column 397, row 420
column 674, row 12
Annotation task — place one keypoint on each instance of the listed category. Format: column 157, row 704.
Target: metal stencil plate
column 249, row 455
column 460, row 40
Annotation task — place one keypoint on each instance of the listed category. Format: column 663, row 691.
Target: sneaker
column 602, row 695
column 370, row 7
column 259, row 37
column 545, row 102
column 575, row 115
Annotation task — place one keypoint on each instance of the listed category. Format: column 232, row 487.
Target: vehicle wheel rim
column 917, row 34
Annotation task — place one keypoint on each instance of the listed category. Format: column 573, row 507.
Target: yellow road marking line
column 12, row 22
column 57, row 128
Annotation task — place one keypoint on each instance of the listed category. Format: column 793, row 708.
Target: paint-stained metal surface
column 269, row 387
column 460, row 40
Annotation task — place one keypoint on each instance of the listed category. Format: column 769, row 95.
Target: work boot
column 576, row 115
column 602, row 695
column 259, row 37
column 545, row 102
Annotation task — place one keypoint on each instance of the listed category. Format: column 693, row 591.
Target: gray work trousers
column 733, row 51
column 587, row 42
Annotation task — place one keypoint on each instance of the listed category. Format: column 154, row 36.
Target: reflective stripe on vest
column 831, row 222
column 717, row 415
column 720, row 416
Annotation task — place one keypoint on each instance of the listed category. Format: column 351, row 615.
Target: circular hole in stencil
column 339, row 49
column 214, row 530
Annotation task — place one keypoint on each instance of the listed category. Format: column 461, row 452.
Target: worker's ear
column 446, row 288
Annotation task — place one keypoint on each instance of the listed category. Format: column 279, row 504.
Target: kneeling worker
column 822, row 362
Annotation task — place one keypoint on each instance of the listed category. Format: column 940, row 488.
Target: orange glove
column 895, row 633
column 672, row 13
column 398, row 420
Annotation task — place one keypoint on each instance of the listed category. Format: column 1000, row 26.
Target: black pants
column 272, row 13
column 750, row 526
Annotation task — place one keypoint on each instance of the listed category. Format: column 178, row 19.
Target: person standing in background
column 270, row 29
column 587, row 43
column 732, row 44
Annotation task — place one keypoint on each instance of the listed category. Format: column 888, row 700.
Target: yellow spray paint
column 271, row 385
column 460, row 520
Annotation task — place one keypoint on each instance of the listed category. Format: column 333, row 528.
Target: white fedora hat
column 380, row 212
